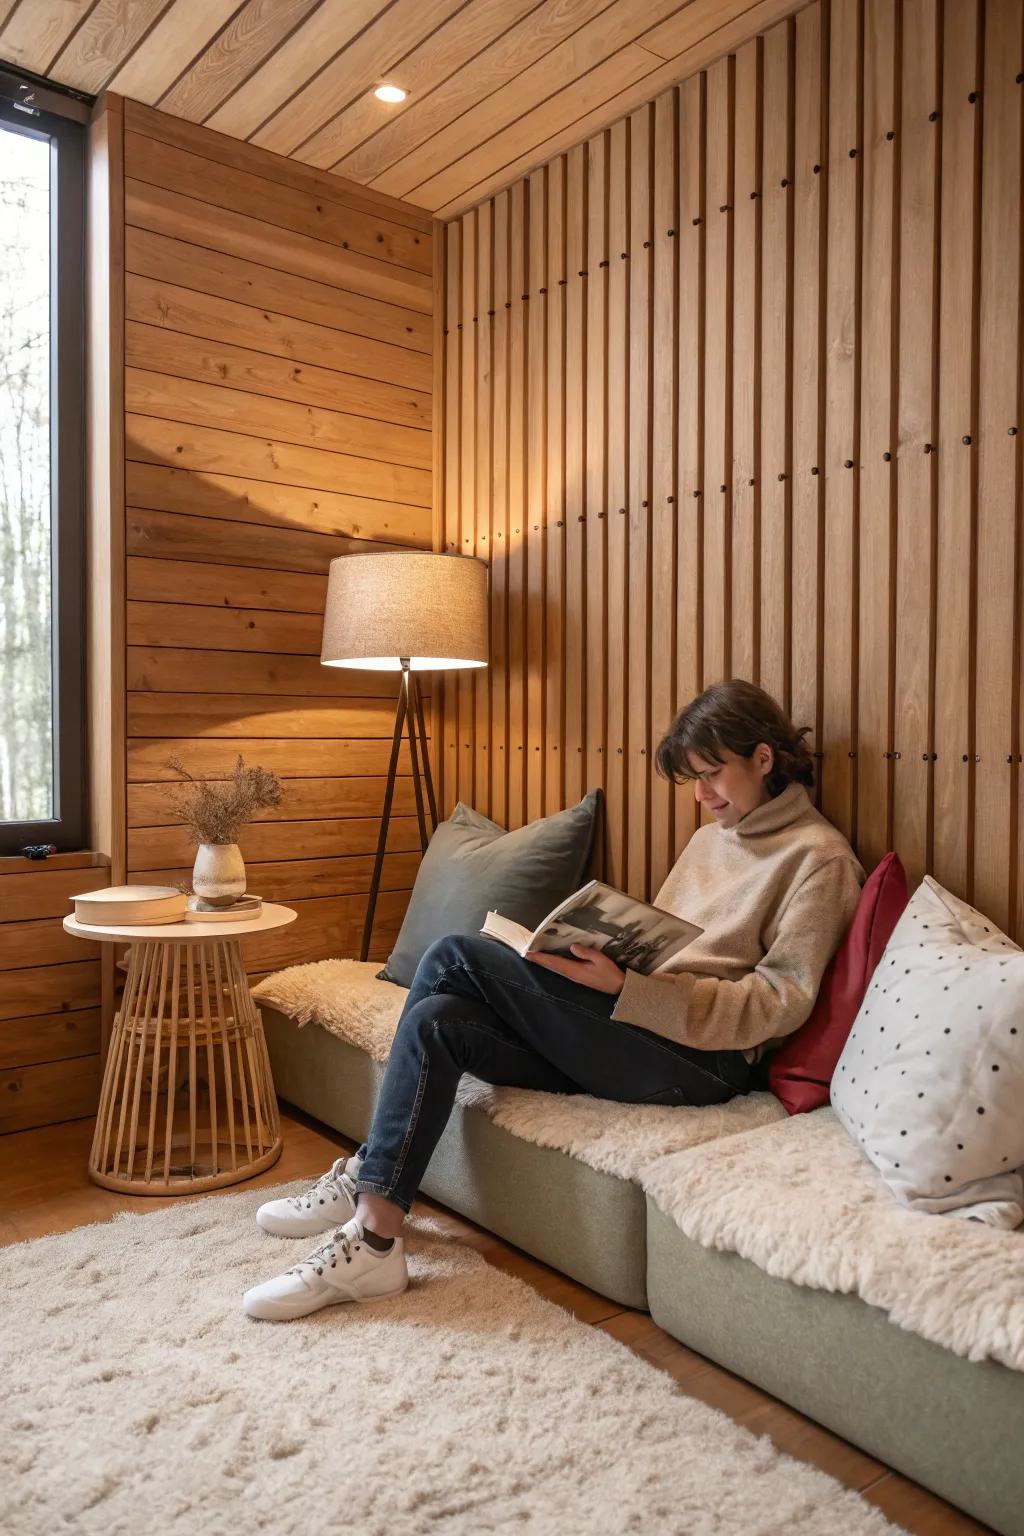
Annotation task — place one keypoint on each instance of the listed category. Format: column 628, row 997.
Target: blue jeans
column 476, row 1006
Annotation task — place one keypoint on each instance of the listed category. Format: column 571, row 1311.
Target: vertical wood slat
column 841, row 448
column 823, row 330
column 535, row 528
column 555, row 501
column 996, row 809
column 690, row 539
column 595, row 290
column 957, row 458
column 776, row 337
column 464, row 681
column 618, row 491
column 483, row 500
column 637, row 681
column 916, row 478
column 878, row 427
column 810, row 129
column 665, row 497
column 515, row 745
column 718, row 487
column 746, row 377
column 452, row 485
column 500, row 658
column 577, row 641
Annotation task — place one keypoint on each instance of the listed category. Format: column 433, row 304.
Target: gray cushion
column 472, row 866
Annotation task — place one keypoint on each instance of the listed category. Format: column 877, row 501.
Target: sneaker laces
column 326, row 1256
column 326, row 1185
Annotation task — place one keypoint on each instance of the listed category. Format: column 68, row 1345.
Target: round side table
column 187, row 1100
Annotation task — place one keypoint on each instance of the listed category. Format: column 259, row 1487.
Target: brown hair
column 735, row 716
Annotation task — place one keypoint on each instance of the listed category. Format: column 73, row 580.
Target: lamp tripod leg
column 401, row 711
column 428, row 778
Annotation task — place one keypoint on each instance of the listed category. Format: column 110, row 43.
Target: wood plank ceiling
column 495, row 87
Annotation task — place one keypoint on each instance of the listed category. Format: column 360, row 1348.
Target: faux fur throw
column 802, row 1202
column 344, row 997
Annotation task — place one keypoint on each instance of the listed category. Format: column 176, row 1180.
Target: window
column 42, row 262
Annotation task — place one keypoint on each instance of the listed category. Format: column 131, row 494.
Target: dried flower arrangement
column 215, row 812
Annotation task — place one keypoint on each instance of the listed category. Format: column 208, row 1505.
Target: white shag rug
column 138, row 1397
column 802, row 1201
column 344, row 997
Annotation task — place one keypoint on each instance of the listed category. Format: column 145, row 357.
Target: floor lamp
column 406, row 611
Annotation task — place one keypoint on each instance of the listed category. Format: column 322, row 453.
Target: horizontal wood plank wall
column 50, row 993
column 278, row 387
column 735, row 389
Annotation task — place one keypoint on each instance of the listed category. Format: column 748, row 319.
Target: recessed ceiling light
column 390, row 93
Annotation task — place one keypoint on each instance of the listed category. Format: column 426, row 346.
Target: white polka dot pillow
column 931, row 1079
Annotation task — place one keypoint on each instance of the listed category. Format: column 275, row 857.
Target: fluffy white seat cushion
column 801, row 1201
column 344, row 997
column 931, row 1076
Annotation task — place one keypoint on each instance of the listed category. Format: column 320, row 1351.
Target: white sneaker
column 331, row 1201
column 344, row 1269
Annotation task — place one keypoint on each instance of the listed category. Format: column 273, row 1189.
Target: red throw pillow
column 799, row 1072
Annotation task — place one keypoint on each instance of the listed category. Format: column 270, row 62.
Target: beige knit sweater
column 774, row 895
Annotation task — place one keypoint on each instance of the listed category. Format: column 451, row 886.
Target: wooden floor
column 44, row 1188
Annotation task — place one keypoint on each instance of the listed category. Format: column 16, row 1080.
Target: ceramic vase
column 219, row 873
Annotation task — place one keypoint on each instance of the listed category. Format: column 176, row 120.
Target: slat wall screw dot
column 562, row 282
column 622, row 511
column 543, row 290
column 782, row 475
column 696, row 493
column 1011, row 431
column 972, row 96
column 670, row 499
column 887, row 456
column 966, row 439
column 751, row 482
column 933, row 117
column 929, row 448
column 582, row 272
column 695, row 221
column 816, row 169
column 815, row 470
column 847, row 463
column 624, row 255
column 722, row 488
column 725, row 208
column 851, row 754
column 1020, row 78
column 890, row 136
column 602, row 263
column 490, row 311
column 853, row 154
column 670, row 233
column 643, row 503
column 508, row 303
column 784, row 182
column 647, row 245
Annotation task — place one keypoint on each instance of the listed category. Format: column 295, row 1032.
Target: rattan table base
column 187, row 1101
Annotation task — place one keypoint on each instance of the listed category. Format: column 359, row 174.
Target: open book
column 636, row 936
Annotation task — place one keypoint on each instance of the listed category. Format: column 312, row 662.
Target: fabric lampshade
column 431, row 608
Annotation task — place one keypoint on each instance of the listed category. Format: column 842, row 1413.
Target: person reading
column 771, row 884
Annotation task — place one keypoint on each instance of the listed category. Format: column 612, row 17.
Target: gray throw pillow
column 472, row 866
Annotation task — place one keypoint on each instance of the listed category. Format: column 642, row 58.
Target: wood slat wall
column 735, row 388
column 278, row 377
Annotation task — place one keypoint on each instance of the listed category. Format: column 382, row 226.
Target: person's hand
column 591, row 968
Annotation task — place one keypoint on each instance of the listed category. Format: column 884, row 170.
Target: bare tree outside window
column 26, row 666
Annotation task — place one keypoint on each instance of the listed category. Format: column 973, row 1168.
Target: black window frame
column 66, row 132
